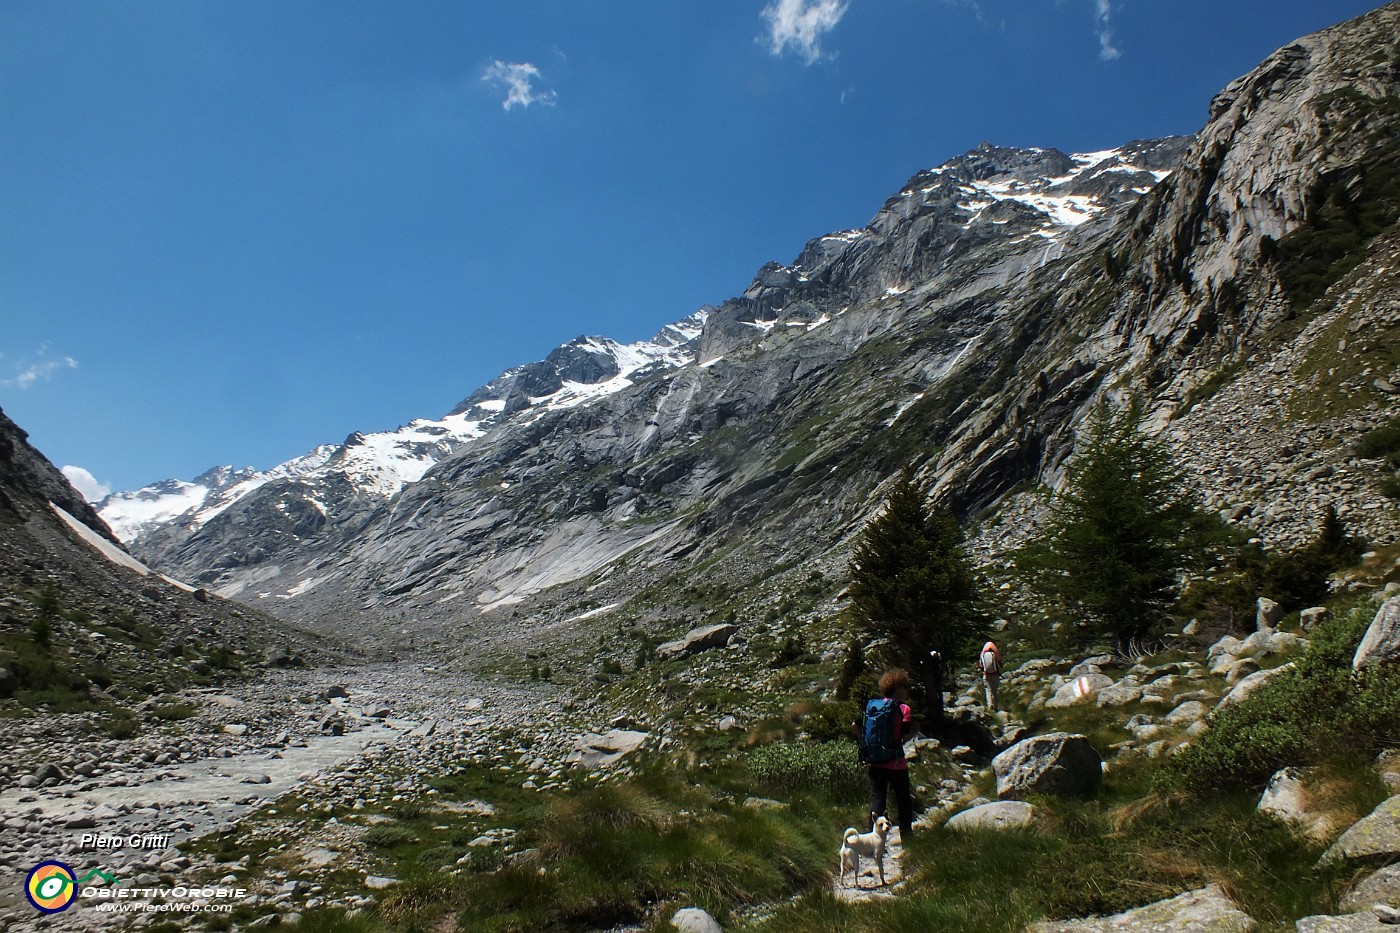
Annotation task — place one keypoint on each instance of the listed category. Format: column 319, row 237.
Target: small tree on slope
column 912, row 582
column 1122, row 530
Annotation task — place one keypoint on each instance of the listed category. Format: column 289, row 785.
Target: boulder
column 697, row 640
column 1120, row 694
column 1003, row 814
column 1059, row 763
column 602, row 751
column 1286, row 798
column 1229, row 644
column 1267, row 615
column 1240, row 670
column 1381, row 643
column 1250, row 684
column 1257, row 645
column 1206, row 910
column 1188, row 712
column 1090, row 665
column 1381, row 887
column 1222, row 664
column 279, row 656
column 694, row 920
column 1310, row 618
column 1376, row 836
column 1079, row 690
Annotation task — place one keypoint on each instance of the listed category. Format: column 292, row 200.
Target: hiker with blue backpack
column 888, row 723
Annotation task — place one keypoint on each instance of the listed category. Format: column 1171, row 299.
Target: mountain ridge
column 591, row 366
column 963, row 332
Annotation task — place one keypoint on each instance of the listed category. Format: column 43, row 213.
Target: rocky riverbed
column 342, row 739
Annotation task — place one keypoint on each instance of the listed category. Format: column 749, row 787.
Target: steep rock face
column 28, row 481
column 102, row 595
column 965, row 329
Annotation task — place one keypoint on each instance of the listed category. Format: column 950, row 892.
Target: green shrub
column 174, row 712
column 388, row 837
column 1347, row 209
column 1319, row 711
column 1296, row 578
column 829, row 768
column 121, row 724
column 41, row 630
column 831, row 722
column 1381, row 443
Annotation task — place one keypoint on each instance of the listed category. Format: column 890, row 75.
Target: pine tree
column 912, row 581
column 1122, row 530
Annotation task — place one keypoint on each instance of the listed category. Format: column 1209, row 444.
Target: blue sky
column 230, row 231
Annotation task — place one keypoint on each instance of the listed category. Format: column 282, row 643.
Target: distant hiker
column 888, row 722
column 989, row 663
column 935, row 685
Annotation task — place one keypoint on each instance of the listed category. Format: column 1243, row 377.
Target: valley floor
column 336, row 734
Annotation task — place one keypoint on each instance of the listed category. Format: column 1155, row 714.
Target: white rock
column 694, row 920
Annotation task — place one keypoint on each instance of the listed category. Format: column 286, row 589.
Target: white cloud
column 26, row 374
column 518, row 81
column 86, row 484
column 800, row 24
column 1103, row 23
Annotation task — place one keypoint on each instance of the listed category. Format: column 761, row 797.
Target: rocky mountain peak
column 964, row 329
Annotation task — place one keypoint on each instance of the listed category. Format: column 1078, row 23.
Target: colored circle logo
column 51, row 887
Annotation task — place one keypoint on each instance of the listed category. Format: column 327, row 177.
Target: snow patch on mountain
column 380, row 464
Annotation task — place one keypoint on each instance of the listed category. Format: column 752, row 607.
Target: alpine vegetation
column 1027, row 558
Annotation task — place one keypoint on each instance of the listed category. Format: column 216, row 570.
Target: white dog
column 854, row 844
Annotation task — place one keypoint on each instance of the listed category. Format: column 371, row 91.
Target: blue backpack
column 879, row 740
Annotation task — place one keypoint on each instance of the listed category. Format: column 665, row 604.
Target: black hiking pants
column 882, row 781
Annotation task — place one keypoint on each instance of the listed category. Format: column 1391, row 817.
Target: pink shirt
column 906, row 716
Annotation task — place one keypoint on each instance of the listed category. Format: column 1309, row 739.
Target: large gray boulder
column 1206, row 910
column 1286, row 798
column 1381, row 644
column 1311, row 618
column 697, row 640
column 594, row 751
column 1380, row 887
column 1375, row 837
column 1079, row 690
column 1267, row 614
column 1250, row 684
column 1001, row 814
column 1059, row 763
column 1122, row 693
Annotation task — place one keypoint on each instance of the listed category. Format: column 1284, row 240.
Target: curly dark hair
column 892, row 681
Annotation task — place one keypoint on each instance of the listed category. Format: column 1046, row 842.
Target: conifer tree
column 1121, row 531
column 912, row 581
